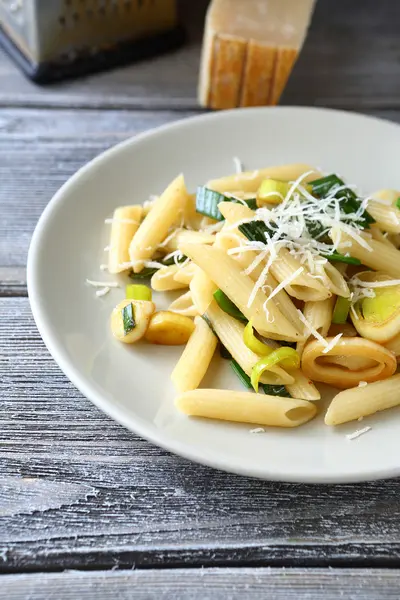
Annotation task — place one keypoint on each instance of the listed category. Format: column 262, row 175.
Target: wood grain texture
column 116, row 500
column 350, row 58
column 40, row 150
column 207, row 584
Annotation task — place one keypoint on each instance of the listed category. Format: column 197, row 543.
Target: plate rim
column 139, row 428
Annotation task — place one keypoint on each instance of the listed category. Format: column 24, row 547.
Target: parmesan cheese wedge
column 249, row 50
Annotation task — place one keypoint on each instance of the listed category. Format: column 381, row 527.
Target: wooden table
column 90, row 510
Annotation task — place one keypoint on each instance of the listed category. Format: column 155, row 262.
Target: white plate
column 132, row 384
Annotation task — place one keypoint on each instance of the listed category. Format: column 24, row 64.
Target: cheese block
column 249, row 50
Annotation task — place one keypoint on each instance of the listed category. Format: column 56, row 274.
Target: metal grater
column 55, row 39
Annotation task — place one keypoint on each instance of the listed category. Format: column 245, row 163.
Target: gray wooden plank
column 79, row 491
column 351, row 59
column 39, row 151
column 204, row 584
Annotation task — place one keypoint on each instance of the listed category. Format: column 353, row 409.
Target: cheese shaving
column 356, row 434
column 103, row 291
column 103, row 284
column 311, row 330
column 332, row 343
column 362, row 384
column 238, row 165
column 257, row 430
column 284, row 283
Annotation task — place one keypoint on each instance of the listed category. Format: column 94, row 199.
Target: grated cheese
column 257, row 430
column 102, row 284
column 356, row 434
column 284, row 283
column 238, row 165
column 362, row 384
column 332, row 343
column 103, row 291
column 312, row 329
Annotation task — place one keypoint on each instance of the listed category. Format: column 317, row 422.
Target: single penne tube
column 184, row 305
column 250, row 181
column 233, row 238
column 185, row 274
column 196, row 357
column 230, row 333
column 363, row 401
column 333, row 280
column 378, row 256
column 302, row 387
column 187, row 236
column 202, row 290
column 124, row 224
column 163, row 279
column 228, row 275
column 319, row 315
column 154, row 229
column 382, row 207
column 350, row 361
column 246, row 407
column 303, row 286
column 380, row 236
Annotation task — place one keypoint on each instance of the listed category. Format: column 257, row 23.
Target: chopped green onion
column 255, row 231
column 350, row 202
column 275, row 390
column 253, row 343
column 207, row 203
column 273, row 191
column 398, row 203
column 128, row 318
column 270, row 390
column 341, row 310
column 138, row 292
column 288, row 357
column 227, row 306
column 224, row 353
column 244, row 378
column 337, row 257
column 145, row 273
column 173, row 260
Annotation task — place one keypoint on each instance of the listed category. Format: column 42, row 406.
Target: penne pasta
column 184, row 305
column 182, row 236
column 154, row 229
column 228, row 239
column 196, row 357
column 185, row 274
column 379, row 236
column 382, row 207
column 350, row 361
column 319, row 316
column 303, row 286
column 302, row 387
column 227, row 274
column 377, row 255
column 163, row 280
column 230, row 333
column 363, row 401
column 124, row 225
column 334, row 280
column 246, row 407
column 202, row 290
column 249, row 181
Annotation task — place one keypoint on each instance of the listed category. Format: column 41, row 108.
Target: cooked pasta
column 363, row 401
column 244, row 407
column 124, row 225
column 196, row 357
column 293, row 274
